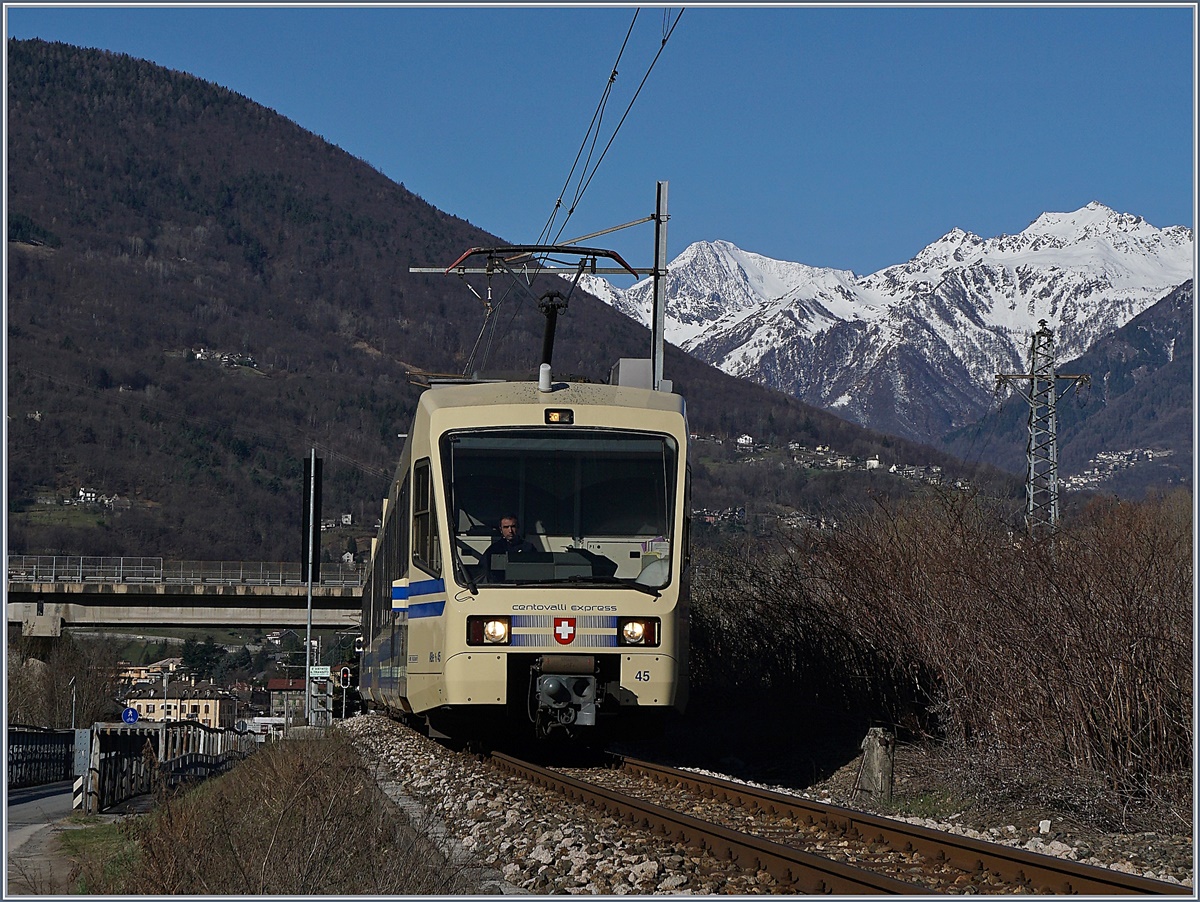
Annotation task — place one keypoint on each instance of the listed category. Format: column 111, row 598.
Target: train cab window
column 597, row 505
column 426, row 549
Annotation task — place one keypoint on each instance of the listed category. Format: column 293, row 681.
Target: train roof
column 444, row 395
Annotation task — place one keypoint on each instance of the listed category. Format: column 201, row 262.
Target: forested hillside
column 1139, row 396
column 153, row 215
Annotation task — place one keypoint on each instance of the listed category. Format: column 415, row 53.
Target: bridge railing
column 72, row 569
column 37, row 755
column 131, row 760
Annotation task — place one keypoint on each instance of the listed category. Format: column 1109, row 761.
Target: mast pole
column 660, row 285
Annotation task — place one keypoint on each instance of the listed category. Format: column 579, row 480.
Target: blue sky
column 848, row 137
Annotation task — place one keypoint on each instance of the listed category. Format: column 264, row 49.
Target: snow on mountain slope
column 718, row 281
column 914, row 348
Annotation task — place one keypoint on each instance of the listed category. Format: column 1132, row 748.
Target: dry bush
column 938, row 615
column 914, row 582
column 299, row 817
column 1117, row 603
column 26, row 689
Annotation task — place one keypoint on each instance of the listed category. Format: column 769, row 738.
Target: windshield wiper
column 460, row 568
column 597, row 581
column 610, row 580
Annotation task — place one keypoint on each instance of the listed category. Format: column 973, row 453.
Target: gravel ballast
column 518, row 838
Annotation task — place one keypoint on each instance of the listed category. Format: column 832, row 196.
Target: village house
column 287, row 699
column 132, row 674
column 251, row 699
column 203, row 703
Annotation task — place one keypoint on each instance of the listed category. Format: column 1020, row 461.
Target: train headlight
column 488, row 631
column 641, row 631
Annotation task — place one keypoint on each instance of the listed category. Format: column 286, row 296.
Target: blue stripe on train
column 426, row 609
column 545, row 621
column 424, row 587
column 542, row 640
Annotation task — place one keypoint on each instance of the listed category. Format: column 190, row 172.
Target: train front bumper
column 629, row 679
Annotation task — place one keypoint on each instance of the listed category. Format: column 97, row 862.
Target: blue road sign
column 129, row 715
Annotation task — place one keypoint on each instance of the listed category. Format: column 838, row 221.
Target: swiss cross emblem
column 564, row 630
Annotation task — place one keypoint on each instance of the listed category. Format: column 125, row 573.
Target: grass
column 104, row 853
column 73, row 515
column 299, row 817
column 936, row 804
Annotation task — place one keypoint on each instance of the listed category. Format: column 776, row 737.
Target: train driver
column 510, row 541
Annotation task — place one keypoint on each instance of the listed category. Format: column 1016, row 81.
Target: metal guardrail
column 154, row 570
column 38, row 755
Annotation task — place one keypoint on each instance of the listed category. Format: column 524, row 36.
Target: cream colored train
column 585, row 635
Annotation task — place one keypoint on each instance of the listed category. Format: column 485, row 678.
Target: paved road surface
column 33, row 867
column 36, row 816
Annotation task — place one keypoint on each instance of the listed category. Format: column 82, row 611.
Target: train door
column 397, row 558
column 426, row 594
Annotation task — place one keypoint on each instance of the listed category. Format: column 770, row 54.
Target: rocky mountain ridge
column 914, row 349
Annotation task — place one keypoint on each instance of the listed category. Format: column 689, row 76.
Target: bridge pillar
column 42, row 618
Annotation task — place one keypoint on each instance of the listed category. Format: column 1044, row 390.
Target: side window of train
column 394, row 554
column 402, row 531
column 425, row 548
column 687, row 516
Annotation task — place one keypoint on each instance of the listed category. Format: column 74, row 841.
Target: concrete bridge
column 46, row 594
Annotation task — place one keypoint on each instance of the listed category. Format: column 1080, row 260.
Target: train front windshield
column 594, row 506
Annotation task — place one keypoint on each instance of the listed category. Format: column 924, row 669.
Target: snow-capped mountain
column 914, row 349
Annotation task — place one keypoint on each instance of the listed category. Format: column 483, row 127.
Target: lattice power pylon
column 1041, row 483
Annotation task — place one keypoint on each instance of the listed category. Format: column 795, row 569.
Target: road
column 32, row 866
column 34, row 807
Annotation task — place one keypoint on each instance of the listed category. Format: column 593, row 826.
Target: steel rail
column 792, row 867
column 1042, row 873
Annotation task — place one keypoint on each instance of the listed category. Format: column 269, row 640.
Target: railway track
column 812, row 847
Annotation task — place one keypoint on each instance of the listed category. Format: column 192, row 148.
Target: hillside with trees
column 1139, row 396
column 154, row 216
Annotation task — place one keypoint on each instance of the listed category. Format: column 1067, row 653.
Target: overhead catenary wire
column 584, row 184
column 487, row 331
column 585, row 176
column 593, row 132
column 590, row 169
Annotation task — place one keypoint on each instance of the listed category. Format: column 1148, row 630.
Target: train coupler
column 564, row 692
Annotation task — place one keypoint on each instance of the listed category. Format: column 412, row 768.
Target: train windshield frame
column 598, row 506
